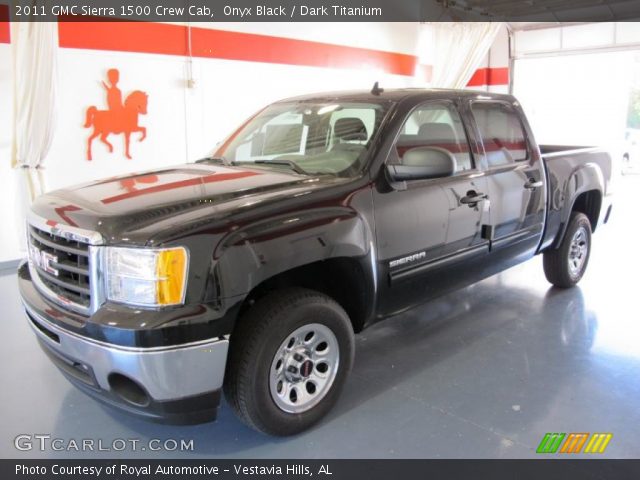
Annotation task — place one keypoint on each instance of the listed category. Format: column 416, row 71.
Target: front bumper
column 173, row 384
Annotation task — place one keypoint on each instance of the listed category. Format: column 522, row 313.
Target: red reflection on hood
column 129, row 184
column 215, row 177
column 62, row 213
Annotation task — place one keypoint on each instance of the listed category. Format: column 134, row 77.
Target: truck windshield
column 307, row 138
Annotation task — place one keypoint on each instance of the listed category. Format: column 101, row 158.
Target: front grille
column 68, row 276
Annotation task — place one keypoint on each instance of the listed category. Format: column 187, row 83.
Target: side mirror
column 422, row 163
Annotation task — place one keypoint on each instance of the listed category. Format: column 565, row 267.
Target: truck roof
column 396, row 94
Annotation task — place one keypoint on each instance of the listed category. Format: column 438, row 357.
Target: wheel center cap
column 306, row 368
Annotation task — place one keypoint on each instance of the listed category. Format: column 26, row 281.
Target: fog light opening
column 129, row 390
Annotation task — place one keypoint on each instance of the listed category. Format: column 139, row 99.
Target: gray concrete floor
column 482, row 373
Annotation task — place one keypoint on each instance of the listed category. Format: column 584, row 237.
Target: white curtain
column 459, row 48
column 34, row 52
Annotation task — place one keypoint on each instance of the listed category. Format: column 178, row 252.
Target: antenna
column 376, row 90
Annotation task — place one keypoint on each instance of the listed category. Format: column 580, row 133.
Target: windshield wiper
column 289, row 163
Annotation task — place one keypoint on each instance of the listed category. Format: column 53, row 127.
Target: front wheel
column 565, row 266
column 290, row 356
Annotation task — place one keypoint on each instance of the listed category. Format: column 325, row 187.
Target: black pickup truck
column 249, row 272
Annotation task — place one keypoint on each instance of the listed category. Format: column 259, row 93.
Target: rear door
column 515, row 176
column 429, row 234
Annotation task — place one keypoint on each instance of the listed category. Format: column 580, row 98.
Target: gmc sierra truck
column 249, row 272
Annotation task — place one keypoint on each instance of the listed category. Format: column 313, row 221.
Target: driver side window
column 436, row 125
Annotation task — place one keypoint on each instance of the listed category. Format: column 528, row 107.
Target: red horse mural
column 119, row 118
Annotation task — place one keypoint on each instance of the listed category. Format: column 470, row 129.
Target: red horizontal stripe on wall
column 262, row 48
column 5, row 31
column 489, row 76
column 172, row 40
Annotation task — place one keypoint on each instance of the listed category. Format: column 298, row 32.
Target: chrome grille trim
column 76, row 234
column 68, row 292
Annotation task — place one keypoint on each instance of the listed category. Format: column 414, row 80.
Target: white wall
column 9, row 231
column 81, row 73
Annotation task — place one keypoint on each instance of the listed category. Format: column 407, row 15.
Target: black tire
column 254, row 342
column 556, row 261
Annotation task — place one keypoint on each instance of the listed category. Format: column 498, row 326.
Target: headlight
column 145, row 276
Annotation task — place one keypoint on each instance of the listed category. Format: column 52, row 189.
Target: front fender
column 256, row 252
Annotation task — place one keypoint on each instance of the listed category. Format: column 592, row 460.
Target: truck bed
column 568, row 169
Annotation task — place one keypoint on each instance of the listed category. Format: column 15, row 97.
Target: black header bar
column 542, row 469
column 319, row 10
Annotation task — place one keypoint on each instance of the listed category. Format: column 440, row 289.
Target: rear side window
column 436, row 125
column 501, row 131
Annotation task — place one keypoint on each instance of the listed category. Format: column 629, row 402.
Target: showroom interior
column 484, row 372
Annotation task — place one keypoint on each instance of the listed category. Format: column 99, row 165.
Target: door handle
column 472, row 198
column 532, row 184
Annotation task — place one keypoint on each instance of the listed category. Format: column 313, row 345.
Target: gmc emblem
column 43, row 260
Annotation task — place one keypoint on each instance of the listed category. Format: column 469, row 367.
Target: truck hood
column 130, row 209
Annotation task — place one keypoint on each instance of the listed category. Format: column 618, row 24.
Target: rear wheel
column 565, row 266
column 290, row 356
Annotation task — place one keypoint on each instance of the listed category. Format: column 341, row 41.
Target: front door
column 429, row 233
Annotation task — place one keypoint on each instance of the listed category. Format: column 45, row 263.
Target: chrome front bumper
column 178, row 384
